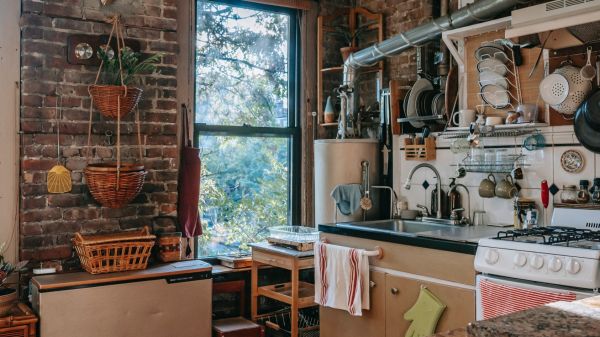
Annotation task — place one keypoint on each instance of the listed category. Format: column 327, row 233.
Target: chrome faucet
column 465, row 219
column 393, row 198
column 439, row 184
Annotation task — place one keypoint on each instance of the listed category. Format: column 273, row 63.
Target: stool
column 235, row 326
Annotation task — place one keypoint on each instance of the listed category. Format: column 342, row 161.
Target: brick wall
column 48, row 221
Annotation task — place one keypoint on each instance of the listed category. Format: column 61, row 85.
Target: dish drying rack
column 505, row 130
column 500, row 167
column 481, row 108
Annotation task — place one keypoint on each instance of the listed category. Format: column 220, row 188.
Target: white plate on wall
column 489, row 77
column 422, row 84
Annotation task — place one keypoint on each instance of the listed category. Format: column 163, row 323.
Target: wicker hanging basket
column 106, row 99
column 113, row 188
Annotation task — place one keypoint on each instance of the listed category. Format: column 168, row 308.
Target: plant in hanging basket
column 114, row 188
column 117, row 96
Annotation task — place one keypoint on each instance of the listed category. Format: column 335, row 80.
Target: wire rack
column 499, row 167
column 517, row 131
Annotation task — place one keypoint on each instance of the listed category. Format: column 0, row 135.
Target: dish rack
column 297, row 237
column 499, row 167
column 278, row 324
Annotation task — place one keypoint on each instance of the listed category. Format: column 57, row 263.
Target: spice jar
column 568, row 195
column 583, row 195
column 596, row 191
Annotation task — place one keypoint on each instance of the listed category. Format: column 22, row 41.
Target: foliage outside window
column 245, row 121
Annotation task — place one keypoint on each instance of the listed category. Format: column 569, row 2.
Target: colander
column 579, row 89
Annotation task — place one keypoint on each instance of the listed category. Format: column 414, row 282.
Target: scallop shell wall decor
column 59, row 180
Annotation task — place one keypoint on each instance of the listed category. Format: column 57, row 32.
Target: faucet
column 439, row 184
column 393, row 198
column 465, row 219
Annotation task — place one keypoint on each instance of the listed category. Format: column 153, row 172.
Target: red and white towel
column 341, row 278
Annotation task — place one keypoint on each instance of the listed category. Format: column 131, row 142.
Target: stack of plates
column 492, row 74
column 423, row 101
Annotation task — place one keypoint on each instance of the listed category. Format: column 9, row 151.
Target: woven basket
column 109, row 253
column 102, row 182
column 106, row 99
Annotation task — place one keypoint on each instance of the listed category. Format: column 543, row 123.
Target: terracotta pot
column 346, row 51
column 8, row 298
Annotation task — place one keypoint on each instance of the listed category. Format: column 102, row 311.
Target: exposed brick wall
column 48, row 221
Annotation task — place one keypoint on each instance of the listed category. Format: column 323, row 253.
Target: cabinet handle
column 394, row 291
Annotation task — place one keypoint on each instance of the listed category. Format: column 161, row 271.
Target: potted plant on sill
column 8, row 296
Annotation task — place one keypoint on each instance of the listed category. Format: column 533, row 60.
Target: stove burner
column 564, row 236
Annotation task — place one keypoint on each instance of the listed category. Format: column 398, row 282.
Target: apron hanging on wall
column 189, row 182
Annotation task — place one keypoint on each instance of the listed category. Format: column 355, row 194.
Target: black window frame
column 293, row 131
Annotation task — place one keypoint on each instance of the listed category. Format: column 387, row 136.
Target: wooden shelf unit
column 283, row 293
column 355, row 15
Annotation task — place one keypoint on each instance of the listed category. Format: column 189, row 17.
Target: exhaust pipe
column 480, row 11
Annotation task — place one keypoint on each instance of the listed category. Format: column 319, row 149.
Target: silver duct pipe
column 482, row 10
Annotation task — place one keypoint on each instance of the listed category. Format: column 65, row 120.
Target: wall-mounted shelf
column 421, row 119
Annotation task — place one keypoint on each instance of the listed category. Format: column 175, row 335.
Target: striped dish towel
column 341, row 278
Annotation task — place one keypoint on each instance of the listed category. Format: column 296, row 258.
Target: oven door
column 497, row 296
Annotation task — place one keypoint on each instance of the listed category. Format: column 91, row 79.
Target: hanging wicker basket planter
column 115, row 188
column 106, row 99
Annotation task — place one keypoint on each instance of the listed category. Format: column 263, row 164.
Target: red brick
column 41, row 215
column 37, row 164
column 66, row 200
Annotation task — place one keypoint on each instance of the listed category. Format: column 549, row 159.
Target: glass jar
column 596, row 191
column 583, row 195
column 568, row 194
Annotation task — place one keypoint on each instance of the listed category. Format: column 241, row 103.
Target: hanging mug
column 506, row 189
column 487, row 187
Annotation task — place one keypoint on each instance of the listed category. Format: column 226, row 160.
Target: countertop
column 453, row 238
column 560, row 319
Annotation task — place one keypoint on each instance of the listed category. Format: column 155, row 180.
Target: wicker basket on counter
column 169, row 246
column 107, row 253
column 21, row 322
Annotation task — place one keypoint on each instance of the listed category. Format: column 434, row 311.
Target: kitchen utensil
column 489, row 77
column 545, row 193
column 554, row 89
column 365, row 202
column 598, row 71
column 585, row 133
column 534, row 142
column 588, row 72
column 491, row 50
column 59, row 177
column 592, row 110
column 528, row 112
column 578, row 89
column 506, row 188
column 537, row 60
column 487, row 187
column 478, row 218
column 493, row 65
column 495, row 96
column 465, row 117
column 422, row 84
column 494, row 120
column 517, row 173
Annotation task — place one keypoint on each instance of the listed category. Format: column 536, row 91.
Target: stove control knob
column 573, row 266
column 555, row 264
column 520, row 260
column 491, row 256
column 536, row 262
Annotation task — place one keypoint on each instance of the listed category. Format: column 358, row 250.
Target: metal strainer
column 579, row 88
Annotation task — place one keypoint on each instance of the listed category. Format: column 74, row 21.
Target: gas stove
column 567, row 253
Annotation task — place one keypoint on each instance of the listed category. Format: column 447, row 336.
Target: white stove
column 567, row 253
column 525, row 268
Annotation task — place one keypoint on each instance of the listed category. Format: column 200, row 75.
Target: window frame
column 293, row 131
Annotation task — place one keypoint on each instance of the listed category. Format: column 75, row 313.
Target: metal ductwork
column 482, row 10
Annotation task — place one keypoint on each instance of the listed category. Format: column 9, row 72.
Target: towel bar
column 377, row 253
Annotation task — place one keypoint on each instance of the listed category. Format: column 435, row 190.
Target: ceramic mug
column 465, row 117
column 494, row 120
column 506, row 189
column 517, row 173
column 487, row 187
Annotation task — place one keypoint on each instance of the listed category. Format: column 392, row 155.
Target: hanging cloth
column 189, row 182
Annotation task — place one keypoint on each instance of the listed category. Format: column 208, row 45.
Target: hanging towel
column 341, row 278
column 424, row 314
column 347, row 197
column 189, row 183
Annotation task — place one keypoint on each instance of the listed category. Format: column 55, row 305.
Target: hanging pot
column 114, row 188
column 8, row 298
column 586, row 134
column 115, row 100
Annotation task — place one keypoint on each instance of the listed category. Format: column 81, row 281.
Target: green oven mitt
column 424, row 314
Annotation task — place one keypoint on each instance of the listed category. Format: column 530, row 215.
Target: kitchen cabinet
column 372, row 323
column 402, row 293
column 398, row 278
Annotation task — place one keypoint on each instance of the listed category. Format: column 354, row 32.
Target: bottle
column 583, row 195
column 568, row 194
column 596, row 191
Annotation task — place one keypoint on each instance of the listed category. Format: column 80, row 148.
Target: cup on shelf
column 494, row 120
column 465, row 117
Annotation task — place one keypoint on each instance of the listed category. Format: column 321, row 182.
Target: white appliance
column 339, row 162
column 164, row 301
column 529, row 267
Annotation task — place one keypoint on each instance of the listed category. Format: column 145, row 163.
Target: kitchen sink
column 403, row 227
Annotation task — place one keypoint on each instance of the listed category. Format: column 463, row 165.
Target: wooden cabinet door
column 402, row 293
column 335, row 323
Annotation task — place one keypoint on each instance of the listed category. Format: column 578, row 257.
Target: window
column 246, row 122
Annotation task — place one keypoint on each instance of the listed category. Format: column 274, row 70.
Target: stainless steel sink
column 403, row 227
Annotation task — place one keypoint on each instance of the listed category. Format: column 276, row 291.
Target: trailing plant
column 131, row 63
column 349, row 37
